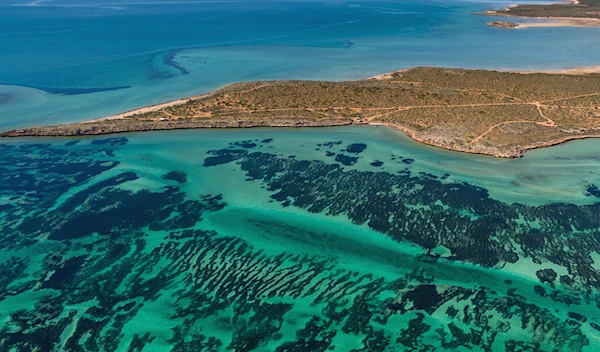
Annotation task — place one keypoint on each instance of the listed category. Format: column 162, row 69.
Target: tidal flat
column 130, row 244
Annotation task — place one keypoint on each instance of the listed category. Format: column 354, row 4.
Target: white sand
column 150, row 108
column 561, row 22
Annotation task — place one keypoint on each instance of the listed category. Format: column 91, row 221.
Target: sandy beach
column 156, row 107
column 149, row 108
column 544, row 21
column 565, row 71
column 560, row 22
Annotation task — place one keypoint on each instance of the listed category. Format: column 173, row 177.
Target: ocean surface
column 65, row 61
column 345, row 239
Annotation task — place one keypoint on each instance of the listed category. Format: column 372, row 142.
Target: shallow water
column 89, row 60
column 346, row 239
column 260, row 240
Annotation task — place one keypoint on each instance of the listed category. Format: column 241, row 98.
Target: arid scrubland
column 477, row 111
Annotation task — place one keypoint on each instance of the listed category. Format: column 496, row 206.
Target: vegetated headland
column 477, row 111
column 576, row 13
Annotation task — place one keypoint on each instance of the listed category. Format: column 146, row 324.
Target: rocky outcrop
column 503, row 24
column 126, row 125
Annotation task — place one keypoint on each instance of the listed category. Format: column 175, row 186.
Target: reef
column 97, row 256
column 431, row 213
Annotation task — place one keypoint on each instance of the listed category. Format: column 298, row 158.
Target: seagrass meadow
column 346, row 239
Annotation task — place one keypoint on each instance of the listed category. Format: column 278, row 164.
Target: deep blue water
column 75, row 55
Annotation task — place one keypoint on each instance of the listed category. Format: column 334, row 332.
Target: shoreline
column 560, row 22
column 572, row 71
column 150, row 108
column 408, row 132
column 127, row 122
column 405, row 130
column 588, row 22
column 559, row 17
column 155, row 107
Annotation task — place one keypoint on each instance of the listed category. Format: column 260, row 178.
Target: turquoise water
column 345, row 239
column 267, row 240
column 66, row 61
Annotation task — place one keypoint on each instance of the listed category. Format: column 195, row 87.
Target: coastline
column 305, row 124
column 148, row 108
column 544, row 22
column 134, row 121
column 561, row 22
column 384, row 76
column 520, row 152
column 567, row 71
column 572, row 71
column 568, row 13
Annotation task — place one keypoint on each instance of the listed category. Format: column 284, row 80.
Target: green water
column 268, row 240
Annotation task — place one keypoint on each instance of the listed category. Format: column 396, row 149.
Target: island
column 496, row 113
column 576, row 13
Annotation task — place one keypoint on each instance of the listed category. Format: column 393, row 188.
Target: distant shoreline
column 561, row 71
column 545, row 22
column 573, row 14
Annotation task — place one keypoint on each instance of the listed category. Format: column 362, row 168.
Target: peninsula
column 477, row 111
column 576, row 13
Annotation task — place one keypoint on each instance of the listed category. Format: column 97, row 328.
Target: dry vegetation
column 496, row 113
column 582, row 9
column 579, row 13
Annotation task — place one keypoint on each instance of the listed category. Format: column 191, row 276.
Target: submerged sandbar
column 477, row 111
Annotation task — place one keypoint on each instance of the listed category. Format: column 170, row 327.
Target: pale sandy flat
column 149, row 108
column 561, row 22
